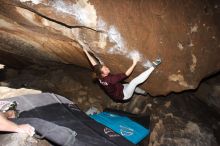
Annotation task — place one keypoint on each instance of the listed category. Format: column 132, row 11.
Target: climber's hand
column 135, row 60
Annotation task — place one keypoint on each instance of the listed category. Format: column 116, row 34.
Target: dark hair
column 97, row 70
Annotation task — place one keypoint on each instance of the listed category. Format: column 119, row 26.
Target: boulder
column 17, row 139
column 185, row 34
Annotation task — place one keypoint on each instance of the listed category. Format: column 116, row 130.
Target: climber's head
column 101, row 70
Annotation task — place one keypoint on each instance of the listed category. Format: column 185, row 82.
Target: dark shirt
column 113, row 86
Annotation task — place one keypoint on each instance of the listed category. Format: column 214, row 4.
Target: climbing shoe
column 156, row 62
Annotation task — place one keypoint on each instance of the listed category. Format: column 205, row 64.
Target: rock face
column 74, row 83
column 181, row 120
column 184, row 34
column 18, row 139
column 209, row 93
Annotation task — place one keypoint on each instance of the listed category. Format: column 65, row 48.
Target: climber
column 111, row 83
column 7, row 125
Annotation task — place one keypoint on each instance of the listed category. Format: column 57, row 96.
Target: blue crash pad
column 122, row 125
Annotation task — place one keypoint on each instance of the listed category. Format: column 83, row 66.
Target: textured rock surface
column 209, row 92
column 72, row 82
column 181, row 120
column 6, row 92
column 185, row 34
column 17, row 139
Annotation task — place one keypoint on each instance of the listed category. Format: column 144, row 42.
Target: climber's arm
column 91, row 59
column 6, row 125
column 9, row 126
column 131, row 68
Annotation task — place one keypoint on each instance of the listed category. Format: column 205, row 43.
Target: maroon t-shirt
column 113, row 86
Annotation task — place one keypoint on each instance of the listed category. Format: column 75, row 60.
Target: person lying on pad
column 7, row 112
column 112, row 83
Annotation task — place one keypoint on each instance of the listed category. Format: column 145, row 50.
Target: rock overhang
column 185, row 36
